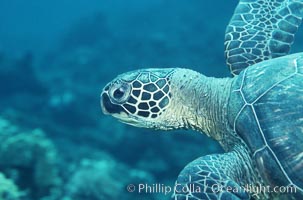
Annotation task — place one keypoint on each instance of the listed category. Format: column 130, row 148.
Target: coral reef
column 28, row 158
column 8, row 189
column 104, row 179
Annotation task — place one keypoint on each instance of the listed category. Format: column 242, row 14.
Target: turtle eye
column 120, row 92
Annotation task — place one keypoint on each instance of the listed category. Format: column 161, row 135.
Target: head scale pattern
column 146, row 95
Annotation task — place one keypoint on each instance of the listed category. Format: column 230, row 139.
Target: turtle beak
column 105, row 102
column 102, row 100
column 108, row 107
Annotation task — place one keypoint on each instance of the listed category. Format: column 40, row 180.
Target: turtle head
column 166, row 99
column 169, row 98
column 140, row 98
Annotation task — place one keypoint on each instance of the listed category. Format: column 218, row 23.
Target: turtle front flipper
column 213, row 177
column 260, row 30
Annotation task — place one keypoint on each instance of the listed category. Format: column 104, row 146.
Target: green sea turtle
column 256, row 116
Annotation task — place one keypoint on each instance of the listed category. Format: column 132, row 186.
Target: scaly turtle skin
column 257, row 116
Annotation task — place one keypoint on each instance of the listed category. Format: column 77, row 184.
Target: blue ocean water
column 55, row 58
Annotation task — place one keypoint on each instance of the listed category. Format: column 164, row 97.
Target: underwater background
column 55, row 58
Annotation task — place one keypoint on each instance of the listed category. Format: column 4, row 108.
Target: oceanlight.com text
column 254, row 190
